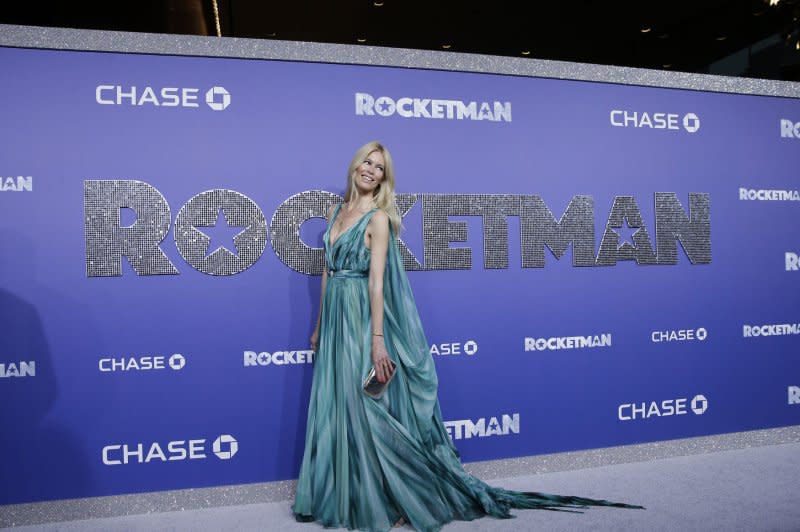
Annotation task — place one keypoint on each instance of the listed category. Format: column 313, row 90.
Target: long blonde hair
column 384, row 194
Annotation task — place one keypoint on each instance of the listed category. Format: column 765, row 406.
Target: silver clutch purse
column 373, row 387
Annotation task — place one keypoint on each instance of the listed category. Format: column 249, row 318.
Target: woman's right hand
column 315, row 340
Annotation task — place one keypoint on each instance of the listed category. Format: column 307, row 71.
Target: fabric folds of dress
column 368, row 462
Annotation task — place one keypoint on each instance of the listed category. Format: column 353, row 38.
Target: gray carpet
column 755, row 489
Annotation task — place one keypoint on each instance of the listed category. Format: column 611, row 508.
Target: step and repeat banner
column 595, row 264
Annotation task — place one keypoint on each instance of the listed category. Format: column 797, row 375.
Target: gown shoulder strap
column 336, row 210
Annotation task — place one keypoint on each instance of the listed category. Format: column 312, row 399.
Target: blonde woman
column 373, row 463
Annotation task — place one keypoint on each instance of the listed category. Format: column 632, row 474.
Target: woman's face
column 369, row 173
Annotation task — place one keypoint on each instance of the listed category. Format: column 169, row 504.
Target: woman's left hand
column 380, row 359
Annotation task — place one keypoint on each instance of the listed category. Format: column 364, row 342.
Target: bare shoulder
column 380, row 220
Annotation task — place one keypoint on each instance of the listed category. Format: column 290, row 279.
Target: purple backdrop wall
column 94, row 400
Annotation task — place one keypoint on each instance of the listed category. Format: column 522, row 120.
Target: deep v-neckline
column 333, row 243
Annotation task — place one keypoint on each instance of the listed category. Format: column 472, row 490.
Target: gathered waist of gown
column 348, row 274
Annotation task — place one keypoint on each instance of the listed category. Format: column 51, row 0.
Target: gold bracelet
column 376, row 334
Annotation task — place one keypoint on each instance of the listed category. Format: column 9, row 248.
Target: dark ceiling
column 732, row 37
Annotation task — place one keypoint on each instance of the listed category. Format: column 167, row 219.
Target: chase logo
column 667, row 407
column 177, row 361
column 699, row 404
column 470, row 347
column 141, row 363
column 691, row 122
column 679, row 335
column 225, row 447
column 217, row 98
column 789, row 129
column 644, row 119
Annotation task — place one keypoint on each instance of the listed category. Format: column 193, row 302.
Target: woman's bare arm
column 378, row 229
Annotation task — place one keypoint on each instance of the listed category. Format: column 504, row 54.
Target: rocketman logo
column 470, row 347
column 794, row 395
column 567, row 342
column 748, row 194
column 19, row 183
column 792, row 262
column 480, row 428
column 367, row 105
column 621, row 118
column 217, row 98
column 541, row 233
column 665, row 408
column 783, row 329
column 224, row 448
column 278, row 358
column 790, row 129
column 18, row 369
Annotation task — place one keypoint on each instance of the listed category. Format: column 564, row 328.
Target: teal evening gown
column 368, row 462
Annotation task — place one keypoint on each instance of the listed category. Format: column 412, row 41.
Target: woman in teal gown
column 370, row 463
